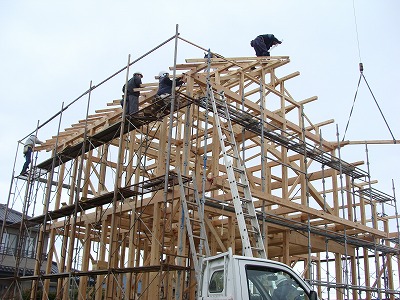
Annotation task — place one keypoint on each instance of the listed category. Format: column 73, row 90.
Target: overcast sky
column 51, row 50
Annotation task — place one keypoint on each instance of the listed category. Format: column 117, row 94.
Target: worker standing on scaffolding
column 164, row 92
column 165, row 84
column 263, row 43
column 132, row 97
column 28, row 148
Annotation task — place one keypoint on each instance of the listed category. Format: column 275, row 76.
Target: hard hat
column 280, row 279
column 163, row 73
column 138, row 73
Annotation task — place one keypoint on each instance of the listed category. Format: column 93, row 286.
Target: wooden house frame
column 120, row 233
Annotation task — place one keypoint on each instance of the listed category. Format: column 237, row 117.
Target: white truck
column 226, row 276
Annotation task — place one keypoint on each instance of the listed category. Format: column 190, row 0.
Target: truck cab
column 227, row 276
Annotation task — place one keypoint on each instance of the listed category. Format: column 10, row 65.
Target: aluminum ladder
column 241, row 195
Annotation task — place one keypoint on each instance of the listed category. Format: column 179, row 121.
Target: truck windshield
column 273, row 284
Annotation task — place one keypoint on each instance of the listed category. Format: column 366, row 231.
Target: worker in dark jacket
column 165, row 83
column 263, row 43
column 132, row 97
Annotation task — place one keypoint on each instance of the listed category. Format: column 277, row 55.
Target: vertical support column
column 103, row 170
column 83, row 281
column 343, row 207
column 374, row 219
column 53, row 232
column 86, row 239
column 157, row 220
column 349, row 198
column 265, row 171
column 101, row 223
column 133, row 247
column 131, row 278
column 146, row 276
column 63, row 283
column 284, row 154
column 339, row 277
column 367, row 272
column 335, row 189
column 101, row 279
column 112, row 287
column 306, row 194
column 155, row 252
column 318, row 268
column 286, row 247
column 353, row 268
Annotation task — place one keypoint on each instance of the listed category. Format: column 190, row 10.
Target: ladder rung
column 239, row 170
column 192, row 207
column 257, row 249
column 226, row 130
column 253, row 231
column 194, row 220
column 245, row 200
column 248, row 216
column 244, row 185
column 229, row 143
column 232, row 155
column 198, row 237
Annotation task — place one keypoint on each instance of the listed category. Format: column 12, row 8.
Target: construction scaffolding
column 112, row 213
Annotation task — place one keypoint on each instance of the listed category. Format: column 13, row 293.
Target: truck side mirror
column 313, row 295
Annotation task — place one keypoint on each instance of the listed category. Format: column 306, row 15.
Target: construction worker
column 263, row 43
column 28, row 147
column 162, row 99
column 132, row 97
column 165, row 84
column 285, row 290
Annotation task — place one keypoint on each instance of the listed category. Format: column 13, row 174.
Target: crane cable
column 354, row 101
column 361, row 67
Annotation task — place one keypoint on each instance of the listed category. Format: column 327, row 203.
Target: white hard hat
column 163, row 73
column 138, row 73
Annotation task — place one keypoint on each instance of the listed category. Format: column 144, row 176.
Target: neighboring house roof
column 28, row 272
column 13, row 216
